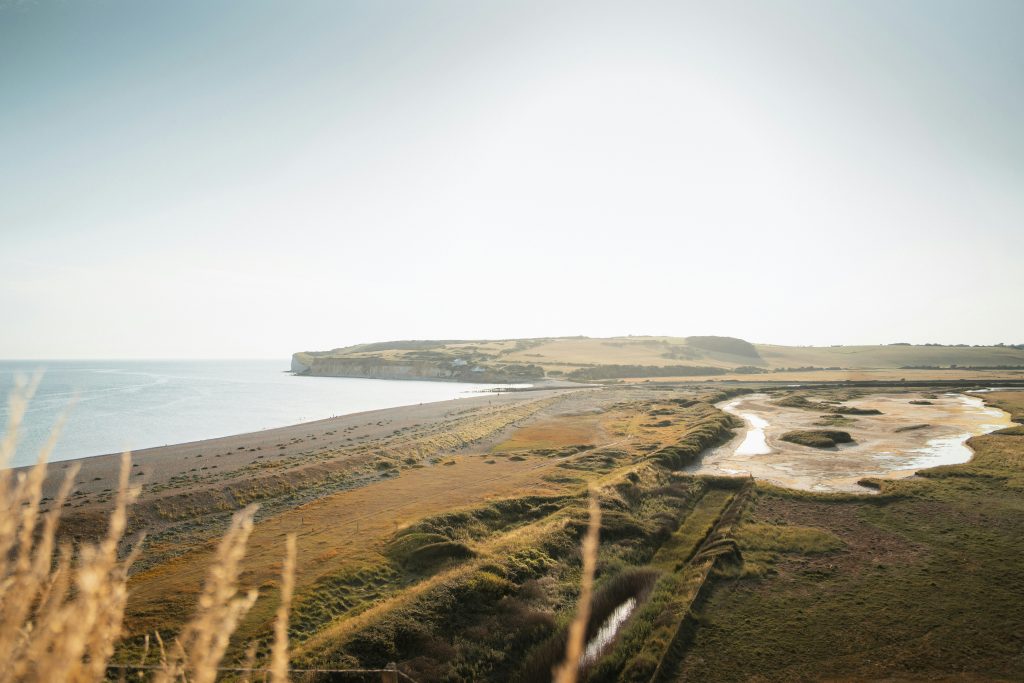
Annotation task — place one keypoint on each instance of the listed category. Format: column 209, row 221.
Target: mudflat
column 910, row 432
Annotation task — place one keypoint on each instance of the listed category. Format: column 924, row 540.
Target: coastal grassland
column 469, row 590
column 674, row 427
column 184, row 510
column 342, row 542
column 556, row 432
column 474, row 615
column 465, row 565
column 1010, row 401
column 361, row 539
column 924, row 580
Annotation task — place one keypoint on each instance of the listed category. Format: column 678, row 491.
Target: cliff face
column 298, row 364
column 374, row 368
column 382, row 368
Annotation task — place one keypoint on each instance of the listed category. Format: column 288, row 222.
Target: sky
column 222, row 179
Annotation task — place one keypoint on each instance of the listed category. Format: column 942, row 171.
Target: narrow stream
column 605, row 635
column 754, row 442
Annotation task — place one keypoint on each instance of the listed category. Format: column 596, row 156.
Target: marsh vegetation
column 923, row 582
column 817, row 438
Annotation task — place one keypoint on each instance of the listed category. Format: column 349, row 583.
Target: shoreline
column 109, row 408
column 156, row 466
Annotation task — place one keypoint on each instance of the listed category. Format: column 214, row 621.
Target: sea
column 112, row 406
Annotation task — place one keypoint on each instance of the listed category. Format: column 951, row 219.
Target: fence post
column 389, row 674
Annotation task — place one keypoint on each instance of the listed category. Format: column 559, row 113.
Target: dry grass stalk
column 199, row 649
column 279, row 651
column 61, row 609
column 569, row 670
column 58, row 620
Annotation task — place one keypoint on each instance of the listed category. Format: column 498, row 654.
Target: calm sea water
column 118, row 405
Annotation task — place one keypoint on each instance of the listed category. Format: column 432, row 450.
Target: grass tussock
column 423, row 553
column 833, row 420
column 830, row 407
column 817, row 438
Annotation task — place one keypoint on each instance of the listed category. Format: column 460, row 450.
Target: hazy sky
column 222, row 179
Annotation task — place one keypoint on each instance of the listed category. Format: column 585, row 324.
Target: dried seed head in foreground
column 569, row 669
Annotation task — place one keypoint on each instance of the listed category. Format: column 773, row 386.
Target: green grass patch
column 786, row 539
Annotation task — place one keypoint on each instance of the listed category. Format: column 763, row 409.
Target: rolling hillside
column 594, row 359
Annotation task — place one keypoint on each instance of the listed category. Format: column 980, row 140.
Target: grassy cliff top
column 566, row 354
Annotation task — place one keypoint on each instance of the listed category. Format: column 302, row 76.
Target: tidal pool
column 754, row 442
column 605, row 635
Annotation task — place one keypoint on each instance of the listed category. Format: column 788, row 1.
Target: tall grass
column 62, row 608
